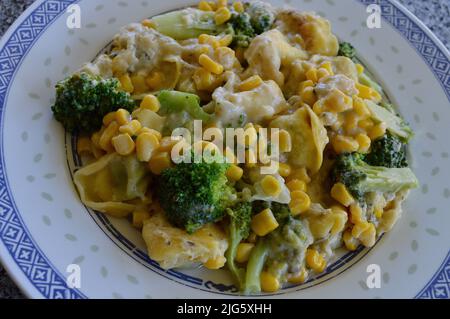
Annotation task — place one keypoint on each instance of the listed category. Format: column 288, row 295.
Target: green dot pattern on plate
column 67, row 50
column 47, row 196
column 48, row 83
column 48, row 61
column 386, row 277
column 34, row 96
column 116, row 295
column 436, row 117
column 47, row 138
column 91, row 25
column 104, row 272
column 78, row 260
column 401, row 87
column 399, row 69
column 112, row 20
column 363, row 285
column 432, row 232
column 70, row 237
column 24, row 136
column 414, row 245
column 393, row 255
column 424, row 189
column 46, row 220
column 94, row 248
column 444, row 155
column 418, row 99
column 432, row 210
column 65, row 70
column 37, row 158
column 122, row 4
column 68, row 213
column 343, row 19
column 132, row 279
column 37, row 116
column 435, row 171
column 99, row 7
column 353, row 33
column 447, row 193
column 394, row 49
column 431, row 136
column 30, row 178
column 427, row 154
column 412, row 269
column 413, row 224
column 83, row 41
column 330, row 2
column 49, row 175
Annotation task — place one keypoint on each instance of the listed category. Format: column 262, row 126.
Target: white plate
column 44, row 227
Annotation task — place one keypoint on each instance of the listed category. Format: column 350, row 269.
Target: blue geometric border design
column 14, row 234
column 439, row 285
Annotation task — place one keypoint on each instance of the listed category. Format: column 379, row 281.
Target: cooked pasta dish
column 238, row 136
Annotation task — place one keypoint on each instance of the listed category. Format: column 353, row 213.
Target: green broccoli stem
column 176, row 102
column 255, row 266
column 387, row 180
column 366, row 80
column 234, row 240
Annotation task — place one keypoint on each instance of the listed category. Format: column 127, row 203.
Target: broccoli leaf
column 395, row 124
column 387, row 151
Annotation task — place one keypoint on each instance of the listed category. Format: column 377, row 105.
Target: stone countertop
column 434, row 13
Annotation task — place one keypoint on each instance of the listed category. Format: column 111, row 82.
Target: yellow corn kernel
column 378, row 213
column 351, row 120
column 368, row 237
column 321, row 73
column 139, row 84
column 340, row 217
column 123, row 144
column 271, row 186
column 149, row 23
column 126, row 83
column 159, row 162
column 105, row 139
column 361, row 108
column 300, row 174
column 377, row 131
column 167, row 143
column 239, row 52
column 284, row 169
column 344, row 144
column 243, row 252
column 337, row 101
column 84, row 145
column 213, row 5
column 308, row 96
column 238, row 6
column 222, row 15
column 146, row 145
column 108, row 118
column 305, row 84
column 340, row 193
column 208, row 39
column 315, row 260
column 366, row 124
column 222, row 3
column 251, row 83
column 234, row 173
column 131, row 128
column 210, row 65
column 359, row 228
column 300, row 202
column 284, row 141
column 350, row 242
column 366, row 92
column 327, row 66
column 359, row 68
column 203, row 79
column 139, row 216
column 264, row 222
column 204, row 6
column 296, row 185
column 226, row 41
column 356, row 213
column 122, row 117
column 155, row 80
column 299, row 277
column 150, row 102
column 250, row 158
column 269, row 283
column 311, row 74
column 364, row 142
column 151, row 131
column 215, row 263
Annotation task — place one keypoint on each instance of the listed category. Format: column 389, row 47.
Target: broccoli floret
column 388, row 151
column 187, row 23
column 395, row 124
column 281, row 212
column 194, row 194
column 180, row 110
column 361, row 178
column 261, row 16
column 239, row 229
column 242, row 30
column 347, row 50
column 83, row 100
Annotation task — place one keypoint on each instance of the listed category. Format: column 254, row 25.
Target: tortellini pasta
column 114, row 184
column 309, row 138
column 172, row 247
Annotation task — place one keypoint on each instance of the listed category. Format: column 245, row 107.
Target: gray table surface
column 434, row 13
